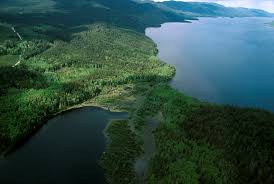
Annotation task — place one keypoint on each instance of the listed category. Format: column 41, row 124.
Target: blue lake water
column 65, row 150
column 221, row 60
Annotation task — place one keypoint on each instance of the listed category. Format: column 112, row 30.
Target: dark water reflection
column 221, row 60
column 65, row 150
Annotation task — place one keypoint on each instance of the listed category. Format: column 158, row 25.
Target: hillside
column 94, row 52
column 213, row 9
column 124, row 13
column 62, row 74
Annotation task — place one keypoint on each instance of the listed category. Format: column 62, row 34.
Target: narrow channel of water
column 66, row 150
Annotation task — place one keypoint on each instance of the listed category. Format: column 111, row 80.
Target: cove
column 221, row 60
column 65, row 150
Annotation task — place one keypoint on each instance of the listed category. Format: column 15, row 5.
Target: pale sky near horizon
column 267, row 5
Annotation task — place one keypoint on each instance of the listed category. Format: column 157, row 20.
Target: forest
column 55, row 76
column 199, row 142
column 96, row 51
column 121, row 153
column 196, row 142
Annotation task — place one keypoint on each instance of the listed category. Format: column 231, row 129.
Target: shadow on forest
column 20, row 77
column 126, row 14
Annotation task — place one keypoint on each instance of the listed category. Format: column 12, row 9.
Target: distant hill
column 213, row 9
column 125, row 13
column 132, row 14
column 94, row 51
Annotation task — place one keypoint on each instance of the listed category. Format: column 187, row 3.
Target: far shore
column 270, row 24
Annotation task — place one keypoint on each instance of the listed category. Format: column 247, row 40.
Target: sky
column 267, row 5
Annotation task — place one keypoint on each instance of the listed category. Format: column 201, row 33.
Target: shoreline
column 89, row 103
column 24, row 139
column 254, row 106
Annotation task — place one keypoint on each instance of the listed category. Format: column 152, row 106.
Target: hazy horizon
column 267, row 5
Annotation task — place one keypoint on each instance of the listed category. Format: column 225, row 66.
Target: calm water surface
column 65, row 150
column 221, row 60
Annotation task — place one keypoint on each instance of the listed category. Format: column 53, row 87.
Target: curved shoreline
column 208, row 88
column 23, row 140
column 68, row 109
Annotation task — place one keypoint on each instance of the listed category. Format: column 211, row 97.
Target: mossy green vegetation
column 121, row 152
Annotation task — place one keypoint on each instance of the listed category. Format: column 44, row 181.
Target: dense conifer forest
column 55, row 76
column 95, row 52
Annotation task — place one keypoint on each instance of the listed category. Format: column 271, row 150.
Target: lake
column 221, row 60
column 65, row 150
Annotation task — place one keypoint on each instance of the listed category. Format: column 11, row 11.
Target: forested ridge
column 214, row 9
column 74, row 52
column 65, row 57
column 68, row 13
